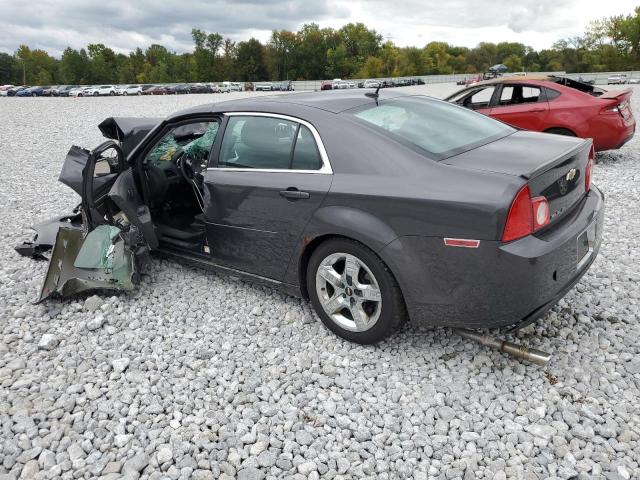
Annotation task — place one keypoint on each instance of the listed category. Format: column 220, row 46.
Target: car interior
column 518, row 94
column 175, row 167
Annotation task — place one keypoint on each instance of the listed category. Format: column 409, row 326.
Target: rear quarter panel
column 382, row 190
column 573, row 111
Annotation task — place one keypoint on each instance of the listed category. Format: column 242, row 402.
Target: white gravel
column 197, row 375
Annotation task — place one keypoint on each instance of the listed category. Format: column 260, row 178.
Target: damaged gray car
column 378, row 207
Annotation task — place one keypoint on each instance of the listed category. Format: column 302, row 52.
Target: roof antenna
column 374, row 95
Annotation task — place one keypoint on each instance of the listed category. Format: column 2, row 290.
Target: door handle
column 294, row 194
column 536, row 110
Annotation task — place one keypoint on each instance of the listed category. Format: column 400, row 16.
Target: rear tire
column 561, row 131
column 362, row 303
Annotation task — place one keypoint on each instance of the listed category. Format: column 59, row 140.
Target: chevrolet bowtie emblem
column 571, row 174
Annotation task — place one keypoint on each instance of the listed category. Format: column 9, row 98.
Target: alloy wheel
column 348, row 292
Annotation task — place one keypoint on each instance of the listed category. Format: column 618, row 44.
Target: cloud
column 123, row 25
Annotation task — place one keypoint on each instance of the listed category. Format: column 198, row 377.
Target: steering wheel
column 185, row 164
column 189, row 168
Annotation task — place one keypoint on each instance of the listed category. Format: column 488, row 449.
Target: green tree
column 437, row 58
column 513, row 63
column 9, row 69
column 373, row 67
column 250, row 61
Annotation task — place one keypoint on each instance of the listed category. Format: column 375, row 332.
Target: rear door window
column 305, row 154
column 519, row 94
column 268, row 143
column 257, row 142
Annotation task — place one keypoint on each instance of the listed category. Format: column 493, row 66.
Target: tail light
column 610, row 109
column 587, row 171
column 541, row 212
column 618, row 108
column 526, row 215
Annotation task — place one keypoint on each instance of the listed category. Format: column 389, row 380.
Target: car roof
column 334, row 101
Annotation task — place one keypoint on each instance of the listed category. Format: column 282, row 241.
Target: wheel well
column 306, row 255
column 560, row 131
column 311, row 247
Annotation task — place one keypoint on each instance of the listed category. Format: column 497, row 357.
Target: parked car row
column 284, row 86
column 134, row 89
column 339, row 84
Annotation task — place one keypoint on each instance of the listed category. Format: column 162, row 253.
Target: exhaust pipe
column 515, row 350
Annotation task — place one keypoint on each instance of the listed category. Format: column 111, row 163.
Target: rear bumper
column 495, row 284
column 613, row 133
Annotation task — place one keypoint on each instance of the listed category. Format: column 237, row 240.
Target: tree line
column 353, row 51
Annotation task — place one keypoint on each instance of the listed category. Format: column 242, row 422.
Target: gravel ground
column 198, row 375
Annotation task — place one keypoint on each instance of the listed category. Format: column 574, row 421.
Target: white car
column 231, row 87
column 130, row 90
column 343, row 84
column 618, row 79
column 4, row 89
column 371, row 84
column 80, row 92
column 102, row 90
column 221, row 89
column 263, row 87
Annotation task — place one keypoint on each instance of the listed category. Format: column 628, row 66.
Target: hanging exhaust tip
column 515, row 350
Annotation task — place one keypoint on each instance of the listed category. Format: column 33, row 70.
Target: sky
column 52, row 25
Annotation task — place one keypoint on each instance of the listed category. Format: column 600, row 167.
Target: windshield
column 434, row 127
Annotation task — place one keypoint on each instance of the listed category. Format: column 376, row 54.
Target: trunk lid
column 618, row 100
column 554, row 166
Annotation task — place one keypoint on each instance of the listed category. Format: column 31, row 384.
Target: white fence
column 427, row 79
column 599, row 78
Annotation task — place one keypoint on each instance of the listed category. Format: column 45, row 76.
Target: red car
column 326, row 85
column 555, row 105
column 156, row 90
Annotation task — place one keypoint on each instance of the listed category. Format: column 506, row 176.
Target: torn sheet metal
column 99, row 261
column 129, row 131
column 45, row 235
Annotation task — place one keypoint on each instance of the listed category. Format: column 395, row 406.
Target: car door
column 270, row 174
column 521, row 105
column 101, row 254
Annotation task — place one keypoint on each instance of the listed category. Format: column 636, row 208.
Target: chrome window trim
column 326, row 164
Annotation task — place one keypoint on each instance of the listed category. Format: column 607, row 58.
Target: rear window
column 431, row 126
column 578, row 85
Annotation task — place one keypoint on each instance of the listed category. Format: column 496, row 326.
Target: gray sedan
column 380, row 207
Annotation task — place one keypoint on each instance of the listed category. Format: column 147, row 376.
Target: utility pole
column 24, row 72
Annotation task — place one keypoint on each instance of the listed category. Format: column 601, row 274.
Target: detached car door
column 523, row 106
column 269, row 176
